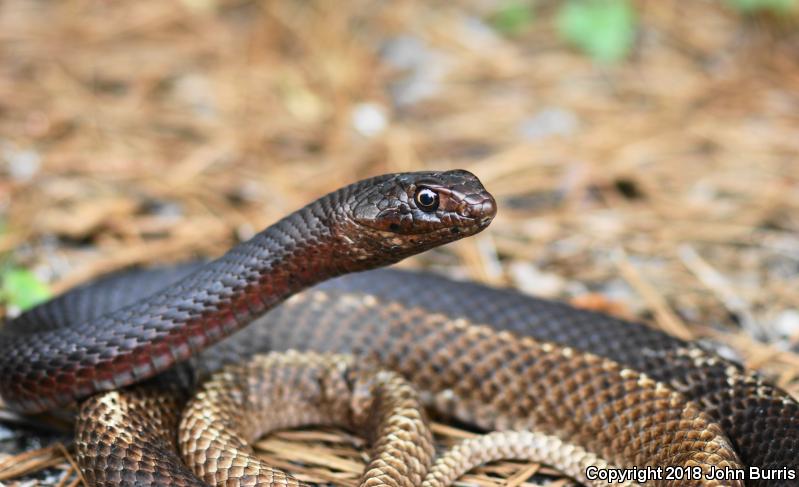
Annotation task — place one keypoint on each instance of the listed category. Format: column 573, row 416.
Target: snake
column 493, row 358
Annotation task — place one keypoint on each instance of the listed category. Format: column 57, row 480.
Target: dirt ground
column 664, row 187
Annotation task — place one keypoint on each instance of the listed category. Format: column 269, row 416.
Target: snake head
column 403, row 214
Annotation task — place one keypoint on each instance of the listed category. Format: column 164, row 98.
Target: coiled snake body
column 492, row 358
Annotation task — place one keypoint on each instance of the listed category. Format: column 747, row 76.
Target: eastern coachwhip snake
column 491, row 358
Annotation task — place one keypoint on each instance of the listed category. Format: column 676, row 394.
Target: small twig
column 479, row 254
column 451, row 431
column 756, row 354
column 722, row 288
column 523, row 474
column 72, row 462
column 29, row 461
column 664, row 316
column 66, row 477
column 316, row 455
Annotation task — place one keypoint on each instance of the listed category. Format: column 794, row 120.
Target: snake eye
column 427, row 199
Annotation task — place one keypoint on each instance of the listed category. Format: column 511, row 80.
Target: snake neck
column 293, row 254
column 185, row 317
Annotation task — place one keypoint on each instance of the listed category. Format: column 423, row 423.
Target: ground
column 664, row 186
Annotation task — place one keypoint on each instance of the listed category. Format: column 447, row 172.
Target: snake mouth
column 474, row 224
column 459, row 226
column 467, row 226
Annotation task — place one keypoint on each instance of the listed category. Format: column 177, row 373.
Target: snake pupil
column 427, row 199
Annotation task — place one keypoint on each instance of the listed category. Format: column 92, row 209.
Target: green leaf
column 513, row 17
column 773, row 6
column 21, row 288
column 605, row 29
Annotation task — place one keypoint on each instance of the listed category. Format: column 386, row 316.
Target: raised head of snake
column 371, row 223
column 394, row 217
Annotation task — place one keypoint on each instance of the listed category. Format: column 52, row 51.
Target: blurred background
column 645, row 154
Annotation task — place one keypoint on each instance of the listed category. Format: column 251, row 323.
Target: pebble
column 369, row 119
column 424, row 69
column 531, row 280
column 5, row 433
column 787, row 323
column 552, row 121
column 196, row 91
column 22, row 164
